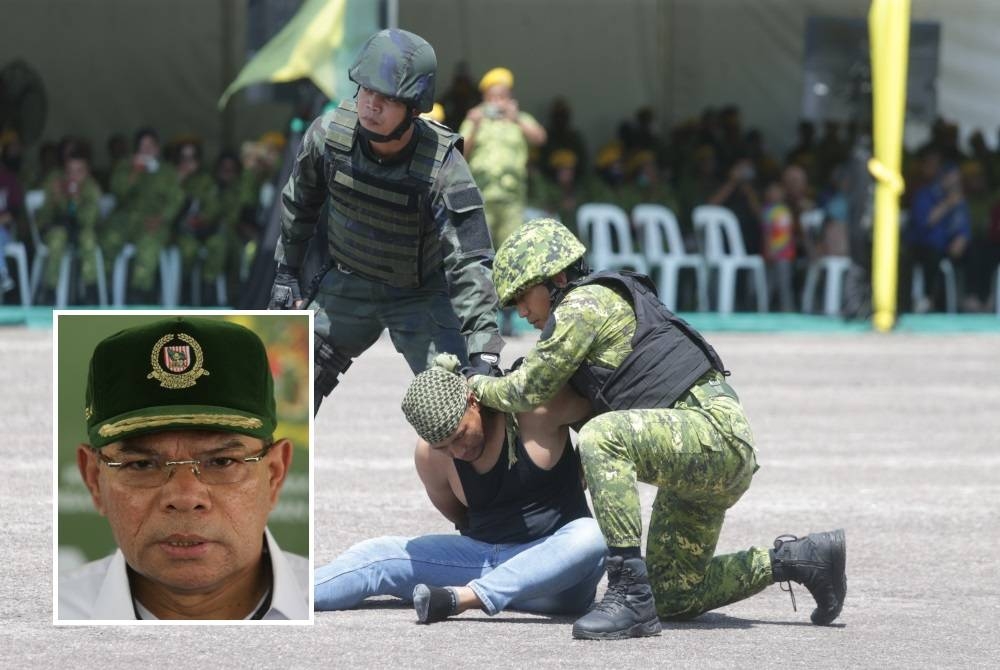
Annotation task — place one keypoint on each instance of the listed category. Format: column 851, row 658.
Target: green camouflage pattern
column 700, row 455
column 539, row 249
column 470, row 278
column 86, row 209
column 499, row 158
column 202, row 197
column 397, row 64
column 503, row 218
column 148, row 204
column 593, row 325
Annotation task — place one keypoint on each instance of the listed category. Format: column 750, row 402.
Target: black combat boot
column 627, row 609
column 817, row 561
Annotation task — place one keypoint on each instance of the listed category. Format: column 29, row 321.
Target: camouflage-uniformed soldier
column 71, row 214
column 200, row 223
column 149, row 198
column 409, row 246
column 497, row 139
column 663, row 414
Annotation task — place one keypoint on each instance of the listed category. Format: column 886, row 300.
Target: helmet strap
column 378, row 138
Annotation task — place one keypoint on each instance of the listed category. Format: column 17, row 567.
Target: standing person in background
column 408, row 245
column 779, row 246
column 498, row 136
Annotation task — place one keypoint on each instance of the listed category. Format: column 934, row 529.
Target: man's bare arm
column 432, row 467
column 544, row 429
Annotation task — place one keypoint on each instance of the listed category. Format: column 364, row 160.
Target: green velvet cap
column 179, row 374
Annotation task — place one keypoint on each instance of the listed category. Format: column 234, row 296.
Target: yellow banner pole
column 889, row 36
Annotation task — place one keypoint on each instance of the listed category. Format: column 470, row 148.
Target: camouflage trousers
column 216, row 255
column 503, row 217
column 351, row 313
column 699, row 454
column 57, row 241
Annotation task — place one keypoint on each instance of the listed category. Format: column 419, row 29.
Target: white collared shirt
column 100, row 590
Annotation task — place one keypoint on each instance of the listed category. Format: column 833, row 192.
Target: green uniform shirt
column 593, row 325
column 86, row 208
column 499, row 159
column 147, row 194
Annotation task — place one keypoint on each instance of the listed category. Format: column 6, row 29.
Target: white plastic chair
column 220, row 281
column 17, row 252
column 833, row 270
column 596, row 221
column 726, row 255
column 169, row 266
column 663, row 246
column 918, row 290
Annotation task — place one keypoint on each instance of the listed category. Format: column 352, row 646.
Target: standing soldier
column 408, row 243
column 498, row 136
column 663, row 414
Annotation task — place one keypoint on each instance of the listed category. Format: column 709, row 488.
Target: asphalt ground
column 893, row 438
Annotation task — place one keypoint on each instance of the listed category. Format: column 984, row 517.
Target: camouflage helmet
column 536, row 251
column 397, row 64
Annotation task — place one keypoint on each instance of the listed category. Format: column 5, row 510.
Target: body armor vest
column 380, row 223
column 668, row 356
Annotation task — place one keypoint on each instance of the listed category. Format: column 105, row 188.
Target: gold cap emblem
column 177, row 361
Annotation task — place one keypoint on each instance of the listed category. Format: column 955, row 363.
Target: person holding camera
column 498, row 136
column 69, row 217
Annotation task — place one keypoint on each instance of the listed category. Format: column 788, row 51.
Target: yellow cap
column 498, row 75
column 562, row 158
column 436, row 113
column 273, row 139
column 610, row 153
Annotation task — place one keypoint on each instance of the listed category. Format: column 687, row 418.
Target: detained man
column 512, row 486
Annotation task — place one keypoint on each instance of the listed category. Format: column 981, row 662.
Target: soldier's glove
column 285, row 292
column 483, row 363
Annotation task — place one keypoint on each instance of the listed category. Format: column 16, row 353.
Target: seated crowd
column 791, row 211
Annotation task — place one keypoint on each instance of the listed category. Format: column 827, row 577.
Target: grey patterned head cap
column 436, row 402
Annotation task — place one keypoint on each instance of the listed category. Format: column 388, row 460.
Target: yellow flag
column 304, row 48
column 888, row 34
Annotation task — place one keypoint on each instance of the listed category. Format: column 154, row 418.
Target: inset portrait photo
column 182, row 467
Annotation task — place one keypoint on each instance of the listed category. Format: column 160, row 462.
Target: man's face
column 186, row 536
column 379, row 113
column 534, row 305
column 76, row 170
column 468, row 442
column 498, row 94
column 148, row 146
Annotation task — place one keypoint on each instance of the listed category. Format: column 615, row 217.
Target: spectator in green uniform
column 149, row 199
column 498, row 136
column 70, row 216
column 199, row 234
column 663, row 414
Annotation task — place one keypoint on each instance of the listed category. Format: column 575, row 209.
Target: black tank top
column 521, row 502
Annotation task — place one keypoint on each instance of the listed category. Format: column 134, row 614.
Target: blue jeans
column 557, row 574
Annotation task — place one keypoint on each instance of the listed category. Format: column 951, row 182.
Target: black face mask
column 378, row 138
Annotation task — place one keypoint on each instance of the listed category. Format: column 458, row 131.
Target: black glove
column 483, row 363
column 285, row 292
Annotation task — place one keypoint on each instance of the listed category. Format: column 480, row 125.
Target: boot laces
column 778, row 541
column 615, row 596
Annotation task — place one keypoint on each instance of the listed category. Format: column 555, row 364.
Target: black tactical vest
column 380, row 222
column 667, row 356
